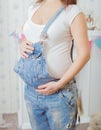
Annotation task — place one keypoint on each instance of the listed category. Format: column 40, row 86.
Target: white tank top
column 59, row 40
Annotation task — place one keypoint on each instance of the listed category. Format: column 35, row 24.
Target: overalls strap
column 45, row 29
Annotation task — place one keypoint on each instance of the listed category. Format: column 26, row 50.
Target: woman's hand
column 25, row 46
column 48, row 88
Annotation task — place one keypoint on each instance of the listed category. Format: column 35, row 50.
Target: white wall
column 95, row 84
column 12, row 15
column 92, row 7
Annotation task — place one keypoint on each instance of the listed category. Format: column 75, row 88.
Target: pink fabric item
column 90, row 42
column 22, row 37
column 18, row 36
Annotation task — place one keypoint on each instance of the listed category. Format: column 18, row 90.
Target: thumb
column 42, row 87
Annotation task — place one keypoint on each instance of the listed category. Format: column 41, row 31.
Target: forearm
column 80, row 36
column 76, row 66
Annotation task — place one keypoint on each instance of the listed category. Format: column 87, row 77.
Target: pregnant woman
column 53, row 105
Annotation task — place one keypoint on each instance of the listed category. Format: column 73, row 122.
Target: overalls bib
column 33, row 70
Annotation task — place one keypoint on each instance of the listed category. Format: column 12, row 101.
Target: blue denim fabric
column 52, row 112
column 33, row 70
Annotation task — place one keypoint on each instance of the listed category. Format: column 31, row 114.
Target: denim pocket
column 69, row 95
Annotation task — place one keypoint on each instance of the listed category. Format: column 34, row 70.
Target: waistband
column 72, row 81
column 70, row 85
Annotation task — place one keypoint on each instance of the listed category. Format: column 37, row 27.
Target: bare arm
column 79, row 32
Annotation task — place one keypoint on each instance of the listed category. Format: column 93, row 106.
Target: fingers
column 26, row 47
column 42, row 87
column 28, row 42
column 24, row 55
column 42, row 91
column 48, row 88
column 28, row 50
column 29, row 47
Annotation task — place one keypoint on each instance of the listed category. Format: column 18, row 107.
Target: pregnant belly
column 58, row 64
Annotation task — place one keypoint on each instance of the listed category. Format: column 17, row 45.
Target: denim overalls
column 33, row 70
column 57, row 111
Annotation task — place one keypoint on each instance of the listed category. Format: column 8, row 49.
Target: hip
column 68, row 93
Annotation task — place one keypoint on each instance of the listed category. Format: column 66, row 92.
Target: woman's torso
column 59, row 41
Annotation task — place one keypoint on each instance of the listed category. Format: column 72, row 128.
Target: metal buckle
column 43, row 38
